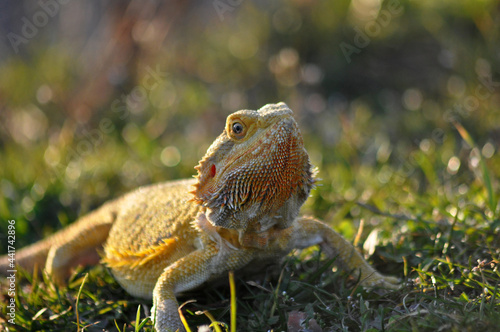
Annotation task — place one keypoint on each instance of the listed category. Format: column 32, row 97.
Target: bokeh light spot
column 170, row 156
column 453, row 165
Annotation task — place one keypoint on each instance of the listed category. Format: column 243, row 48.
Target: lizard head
column 257, row 173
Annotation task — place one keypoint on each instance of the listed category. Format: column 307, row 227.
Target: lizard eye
column 237, row 128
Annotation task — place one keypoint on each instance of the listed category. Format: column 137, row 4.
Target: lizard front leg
column 189, row 272
column 308, row 231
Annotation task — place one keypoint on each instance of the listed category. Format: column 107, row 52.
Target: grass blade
column 78, row 300
column 139, row 325
column 215, row 323
column 492, row 201
column 183, row 319
column 232, row 287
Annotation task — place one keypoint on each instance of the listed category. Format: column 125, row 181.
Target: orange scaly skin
column 161, row 240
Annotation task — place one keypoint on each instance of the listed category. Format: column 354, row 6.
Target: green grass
column 447, row 256
column 409, row 177
column 443, row 291
column 433, row 227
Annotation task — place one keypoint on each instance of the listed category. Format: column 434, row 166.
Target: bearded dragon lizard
column 163, row 239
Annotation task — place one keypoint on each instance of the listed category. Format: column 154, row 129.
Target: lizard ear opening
column 213, row 170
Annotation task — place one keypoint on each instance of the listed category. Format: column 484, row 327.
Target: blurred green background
column 99, row 97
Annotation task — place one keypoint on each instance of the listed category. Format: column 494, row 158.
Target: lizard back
column 152, row 229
